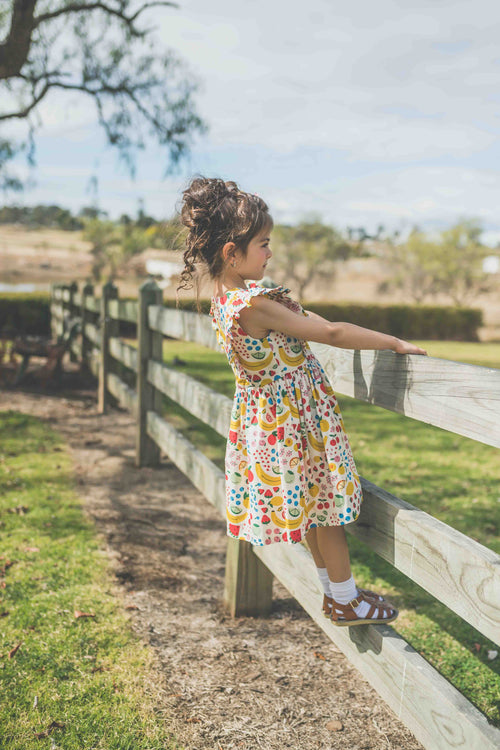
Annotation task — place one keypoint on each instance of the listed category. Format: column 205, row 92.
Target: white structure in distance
column 163, row 268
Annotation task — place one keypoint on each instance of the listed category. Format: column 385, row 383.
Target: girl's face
column 258, row 254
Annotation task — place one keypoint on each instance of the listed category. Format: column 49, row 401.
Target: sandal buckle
column 356, row 604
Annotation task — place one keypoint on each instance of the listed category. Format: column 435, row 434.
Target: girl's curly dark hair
column 216, row 212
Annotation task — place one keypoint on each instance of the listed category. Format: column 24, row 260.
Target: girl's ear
column 228, row 250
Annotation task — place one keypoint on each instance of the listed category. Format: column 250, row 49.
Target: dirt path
column 248, row 683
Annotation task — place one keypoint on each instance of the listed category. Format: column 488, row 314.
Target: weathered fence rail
column 461, row 573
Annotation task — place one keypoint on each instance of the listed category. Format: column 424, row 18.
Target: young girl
column 290, row 474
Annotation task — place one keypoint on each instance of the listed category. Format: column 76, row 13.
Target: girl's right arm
column 353, row 334
column 267, row 313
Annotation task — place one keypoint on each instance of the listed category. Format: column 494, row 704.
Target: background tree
column 105, row 247
column 307, row 251
column 451, row 264
column 100, row 50
column 461, row 262
column 412, row 267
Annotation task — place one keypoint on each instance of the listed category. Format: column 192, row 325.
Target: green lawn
column 451, row 477
column 475, row 353
column 74, row 682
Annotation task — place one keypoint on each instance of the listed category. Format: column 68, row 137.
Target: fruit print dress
column 288, row 463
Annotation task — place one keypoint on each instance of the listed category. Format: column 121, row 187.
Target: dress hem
column 289, row 540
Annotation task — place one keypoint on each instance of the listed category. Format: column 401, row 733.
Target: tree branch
column 85, row 7
column 113, row 61
column 25, row 112
column 14, row 51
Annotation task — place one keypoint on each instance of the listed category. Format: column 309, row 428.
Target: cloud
column 373, row 81
column 429, row 196
column 370, row 113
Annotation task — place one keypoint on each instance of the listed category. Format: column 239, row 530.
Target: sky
column 364, row 113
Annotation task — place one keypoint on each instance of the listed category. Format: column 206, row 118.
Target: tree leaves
column 139, row 89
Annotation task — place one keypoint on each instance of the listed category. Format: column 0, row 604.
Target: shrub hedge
column 405, row 321
column 29, row 313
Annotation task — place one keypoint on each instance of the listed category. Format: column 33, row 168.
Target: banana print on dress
column 288, row 463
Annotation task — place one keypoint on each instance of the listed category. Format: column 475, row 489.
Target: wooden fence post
column 60, row 324
column 108, row 327
column 53, row 321
column 87, row 291
column 248, row 585
column 149, row 346
column 73, row 288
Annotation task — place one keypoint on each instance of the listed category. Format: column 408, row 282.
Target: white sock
column 325, row 581
column 344, row 591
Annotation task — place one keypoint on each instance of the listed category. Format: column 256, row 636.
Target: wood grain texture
column 202, row 402
column 76, row 348
column 436, row 712
column 85, row 316
column 183, row 325
column 124, row 310
column 149, row 348
column 73, row 310
column 125, row 396
column 93, row 304
column 461, row 573
column 123, row 352
column 94, row 357
column 108, row 328
column 248, row 582
column 93, row 334
column 461, row 398
column 202, row 472
column 57, row 312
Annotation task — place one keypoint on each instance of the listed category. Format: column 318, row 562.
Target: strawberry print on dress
column 288, row 463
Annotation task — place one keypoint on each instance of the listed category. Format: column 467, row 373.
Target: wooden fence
column 459, row 572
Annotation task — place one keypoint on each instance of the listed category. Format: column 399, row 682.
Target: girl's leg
column 328, row 545
column 333, row 549
column 312, row 543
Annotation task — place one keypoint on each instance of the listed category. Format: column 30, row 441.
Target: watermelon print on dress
column 288, row 463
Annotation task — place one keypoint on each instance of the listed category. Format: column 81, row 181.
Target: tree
column 40, row 216
column 100, row 50
column 413, row 267
column 106, row 251
column 461, row 262
column 450, row 264
column 306, row 251
column 171, row 234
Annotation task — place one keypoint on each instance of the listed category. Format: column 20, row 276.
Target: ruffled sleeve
column 225, row 318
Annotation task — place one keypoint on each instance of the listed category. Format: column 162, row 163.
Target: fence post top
column 149, row 286
column 109, row 288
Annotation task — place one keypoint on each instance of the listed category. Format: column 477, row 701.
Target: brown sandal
column 328, row 600
column 344, row 614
